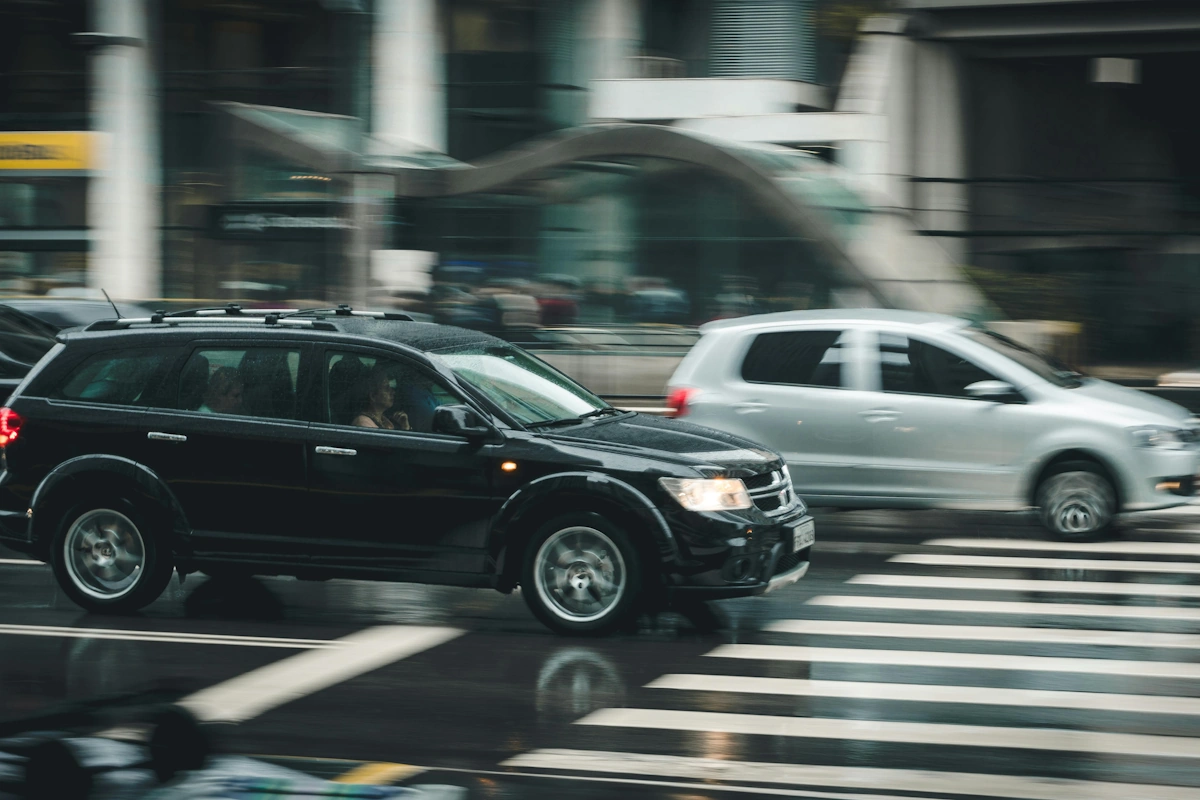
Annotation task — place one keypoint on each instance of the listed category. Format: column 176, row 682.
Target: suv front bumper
column 771, row 569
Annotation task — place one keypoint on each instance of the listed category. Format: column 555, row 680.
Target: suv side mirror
column 460, row 421
column 996, row 391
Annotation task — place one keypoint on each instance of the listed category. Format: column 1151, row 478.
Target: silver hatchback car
column 895, row 409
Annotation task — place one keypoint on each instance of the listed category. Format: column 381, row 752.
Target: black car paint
column 416, row 507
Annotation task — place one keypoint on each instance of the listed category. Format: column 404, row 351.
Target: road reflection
column 575, row 681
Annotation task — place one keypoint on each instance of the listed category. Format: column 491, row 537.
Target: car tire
column 1077, row 501
column 582, row 575
column 107, row 559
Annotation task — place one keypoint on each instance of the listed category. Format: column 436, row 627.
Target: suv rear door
column 238, row 471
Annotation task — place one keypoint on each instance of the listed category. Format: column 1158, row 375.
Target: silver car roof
column 846, row 316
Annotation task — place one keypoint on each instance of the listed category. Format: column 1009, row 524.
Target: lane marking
column 1123, row 548
column 1027, row 562
column 165, row 636
column 930, row 693
column 925, row 782
column 1000, row 607
column 261, row 690
column 947, row 660
column 378, row 774
column 982, row 633
column 874, row 730
column 1020, row 585
column 21, row 562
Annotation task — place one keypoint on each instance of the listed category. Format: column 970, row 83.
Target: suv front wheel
column 106, row 559
column 581, row 575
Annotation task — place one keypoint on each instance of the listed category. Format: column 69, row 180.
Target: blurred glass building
column 579, row 172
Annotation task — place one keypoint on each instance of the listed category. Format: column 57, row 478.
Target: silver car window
column 798, row 358
column 912, row 366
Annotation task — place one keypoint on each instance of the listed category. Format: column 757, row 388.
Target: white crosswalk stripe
column 1011, row 562
column 980, row 633
column 876, row 603
column 947, row 667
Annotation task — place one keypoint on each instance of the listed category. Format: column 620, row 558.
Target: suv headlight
column 708, row 494
column 1162, row 438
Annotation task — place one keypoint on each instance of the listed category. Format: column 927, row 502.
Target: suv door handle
column 159, row 436
column 750, row 407
column 880, row 415
column 335, row 451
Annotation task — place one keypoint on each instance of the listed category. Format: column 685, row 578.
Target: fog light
column 1168, row 486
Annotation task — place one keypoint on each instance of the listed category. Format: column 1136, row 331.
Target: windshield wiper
column 599, row 412
column 546, row 423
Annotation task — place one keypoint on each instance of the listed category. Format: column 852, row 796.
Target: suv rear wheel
column 1077, row 501
column 581, row 575
column 106, row 559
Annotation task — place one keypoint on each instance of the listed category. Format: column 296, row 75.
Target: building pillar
column 369, row 198
column 123, row 193
column 409, row 95
column 940, row 146
column 614, row 32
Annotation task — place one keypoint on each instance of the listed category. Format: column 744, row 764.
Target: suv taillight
column 678, row 400
column 10, row 426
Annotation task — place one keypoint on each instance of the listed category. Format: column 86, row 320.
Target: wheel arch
column 100, row 474
column 1042, row 470
column 547, row 497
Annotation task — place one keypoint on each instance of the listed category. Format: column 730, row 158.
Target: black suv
column 350, row 444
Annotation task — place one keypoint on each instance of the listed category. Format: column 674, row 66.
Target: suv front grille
column 771, row 492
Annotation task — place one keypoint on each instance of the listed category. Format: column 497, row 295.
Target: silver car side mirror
column 991, row 390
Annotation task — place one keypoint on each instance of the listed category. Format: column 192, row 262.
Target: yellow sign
column 52, row 151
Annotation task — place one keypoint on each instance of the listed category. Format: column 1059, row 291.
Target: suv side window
column 798, row 358
column 247, row 381
column 368, row 392
column 127, row 377
column 911, row 366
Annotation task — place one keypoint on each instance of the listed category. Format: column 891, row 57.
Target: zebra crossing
column 969, row 668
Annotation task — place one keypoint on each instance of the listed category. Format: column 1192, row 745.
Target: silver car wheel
column 1077, row 503
column 104, row 554
column 579, row 574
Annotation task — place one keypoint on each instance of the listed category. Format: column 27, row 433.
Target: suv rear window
column 797, row 358
column 126, row 378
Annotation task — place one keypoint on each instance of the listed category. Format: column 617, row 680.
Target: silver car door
column 931, row 442
column 798, row 391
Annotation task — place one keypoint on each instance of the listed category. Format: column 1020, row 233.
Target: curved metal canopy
column 875, row 250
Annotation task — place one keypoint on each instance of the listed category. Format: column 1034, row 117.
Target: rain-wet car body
column 896, row 409
column 120, row 466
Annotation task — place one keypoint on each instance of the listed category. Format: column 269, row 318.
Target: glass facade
column 287, row 54
column 43, row 90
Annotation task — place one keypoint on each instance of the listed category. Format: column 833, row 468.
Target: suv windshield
column 1043, row 366
column 528, row 389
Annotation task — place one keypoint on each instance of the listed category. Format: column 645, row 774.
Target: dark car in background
column 28, row 327
column 327, row 444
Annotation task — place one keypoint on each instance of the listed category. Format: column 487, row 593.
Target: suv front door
column 399, row 498
column 231, row 448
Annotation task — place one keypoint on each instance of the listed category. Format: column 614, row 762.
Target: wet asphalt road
column 925, row 655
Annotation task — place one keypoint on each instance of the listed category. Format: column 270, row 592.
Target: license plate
column 803, row 535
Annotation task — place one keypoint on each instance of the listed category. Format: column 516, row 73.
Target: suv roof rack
column 233, row 312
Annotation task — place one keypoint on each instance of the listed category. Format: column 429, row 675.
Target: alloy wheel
column 580, row 574
column 1075, row 504
column 104, row 554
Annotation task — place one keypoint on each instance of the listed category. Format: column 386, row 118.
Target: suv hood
column 654, row 437
column 1128, row 398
